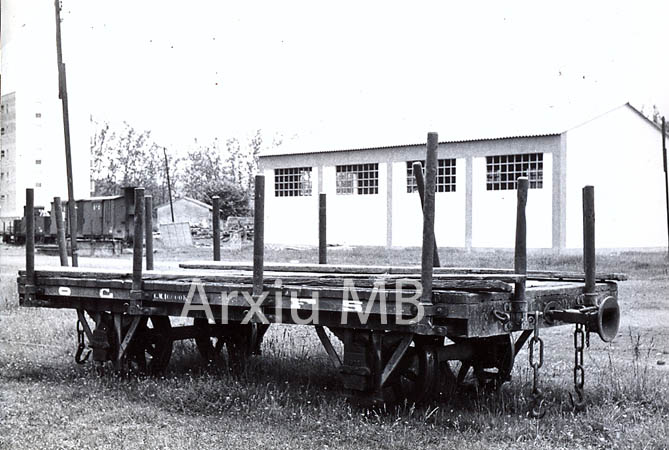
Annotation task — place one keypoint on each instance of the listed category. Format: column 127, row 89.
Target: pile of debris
column 233, row 227
column 200, row 232
column 237, row 226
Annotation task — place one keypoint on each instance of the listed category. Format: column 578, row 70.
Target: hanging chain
column 579, row 371
column 536, row 361
column 81, row 345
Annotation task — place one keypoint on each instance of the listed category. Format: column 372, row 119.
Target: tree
column 227, row 172
column 203, row 172
column 207, row 173
column 123, row 157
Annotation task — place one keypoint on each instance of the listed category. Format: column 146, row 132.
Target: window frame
column 357, row 179
column 291, row 182
column 510, row 167
column 446, row 175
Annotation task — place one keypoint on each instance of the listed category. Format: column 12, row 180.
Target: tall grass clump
column 636, row 381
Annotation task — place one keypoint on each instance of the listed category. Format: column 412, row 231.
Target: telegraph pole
column 169, row 186
column 62, row 94
column 666, row 181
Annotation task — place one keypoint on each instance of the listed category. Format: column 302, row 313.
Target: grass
column 291, row 396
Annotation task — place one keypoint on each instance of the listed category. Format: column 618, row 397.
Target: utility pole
column 169, row 186
column 666, row 181
column 62, row 94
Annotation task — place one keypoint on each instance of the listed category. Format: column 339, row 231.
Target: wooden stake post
column 417, row 168
column 29, row 214
column 589, row 265
column 519, row 303
column 148, row 228
column 258, row 235
column 427, row 260
column 216, row 224
column 322, row 230
column 138, row 243
column 60, row 231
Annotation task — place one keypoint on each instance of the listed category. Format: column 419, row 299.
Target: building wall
column 407, row 217
column 8, row 204
column 494, row 212
column 355, row 219
column 185, row 211
column 32, row 83
column 291, row 220
column 461, row 220
column 620, row 154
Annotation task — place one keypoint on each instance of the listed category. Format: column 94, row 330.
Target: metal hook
column 579, row 404
column 537, row 409
column 501, row 316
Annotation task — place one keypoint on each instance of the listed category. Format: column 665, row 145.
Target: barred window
column 360, row 179
column 503, row 170
column 292, row 182
column 445, row 176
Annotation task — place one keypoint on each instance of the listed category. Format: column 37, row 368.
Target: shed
column 186, row 209
column 371, row 198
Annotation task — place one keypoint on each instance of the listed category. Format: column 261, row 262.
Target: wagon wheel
column 209, row 346
column 415, row 378
column 495, row 361
column 492, row 363
column 151, row 348
column 241, row 340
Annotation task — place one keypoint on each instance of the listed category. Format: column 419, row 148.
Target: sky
column 329, row 72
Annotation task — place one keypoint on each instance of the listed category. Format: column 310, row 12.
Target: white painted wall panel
column 356, row 219
column 620, row 154
column 494, row 212
column 291, row 220
column 449, row 211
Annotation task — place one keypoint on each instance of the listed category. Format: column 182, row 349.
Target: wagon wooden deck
column 464, row 303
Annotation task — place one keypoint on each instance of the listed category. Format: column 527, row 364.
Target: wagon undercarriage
column 392, row 353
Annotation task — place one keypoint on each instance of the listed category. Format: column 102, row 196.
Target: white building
column 370, row 199
column 185, row 209
column 32, row 146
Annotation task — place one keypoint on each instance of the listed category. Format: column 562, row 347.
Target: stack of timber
column 407, row 271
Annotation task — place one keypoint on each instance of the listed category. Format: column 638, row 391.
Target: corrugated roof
column 506, row 125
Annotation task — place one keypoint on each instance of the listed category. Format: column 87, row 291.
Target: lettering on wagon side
column 106, row 293
column 64, row 290
column 298, row 303
column 169, row 296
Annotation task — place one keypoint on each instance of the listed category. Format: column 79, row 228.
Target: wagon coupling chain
column 81, row 345
column 536, row 355
column 578, row 398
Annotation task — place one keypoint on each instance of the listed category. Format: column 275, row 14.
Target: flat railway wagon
column 404, row 330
